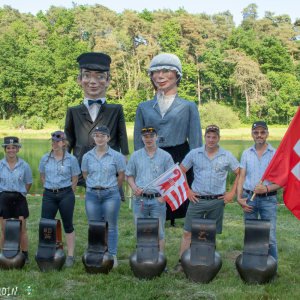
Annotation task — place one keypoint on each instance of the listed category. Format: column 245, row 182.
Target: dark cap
column 94, row 61
column 58, row 136
column 11, row 140
column 213, row 128
column 259, row 123
column 102, row 129
column 148, row 130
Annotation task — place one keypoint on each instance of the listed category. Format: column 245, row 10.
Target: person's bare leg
column 24, row 236
column 2, row 222
column 70, row 240
column 161, row 244
column 185, row 241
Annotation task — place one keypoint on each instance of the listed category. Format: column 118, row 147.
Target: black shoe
column 70, row 261
column 276, row 276
column 26, row 260
column 178, row 269
column 166, row 270
column 174, row 225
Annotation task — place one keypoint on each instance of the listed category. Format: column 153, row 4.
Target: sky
column 290, row 7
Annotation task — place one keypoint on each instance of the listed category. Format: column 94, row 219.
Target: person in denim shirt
column 59, row 175
column 100, row 167
column 143, row 167
column 254, row 162
column 15, row 183
column 176, row 120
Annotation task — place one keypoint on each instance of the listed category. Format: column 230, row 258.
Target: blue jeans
column 152, row 207
column 105, row 203
column 267, row 208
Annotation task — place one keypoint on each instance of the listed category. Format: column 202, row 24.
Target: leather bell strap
column 50, row 239
column 147, row 240
column 203, row 243
column 12, row 238
column 256, row 244
column 97, row 243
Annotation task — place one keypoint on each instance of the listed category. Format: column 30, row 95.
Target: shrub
column 222, row 116
column 61, row 124
column 36, row 123
column 18, row 121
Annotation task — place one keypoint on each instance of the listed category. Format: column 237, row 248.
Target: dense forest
column 253, row 68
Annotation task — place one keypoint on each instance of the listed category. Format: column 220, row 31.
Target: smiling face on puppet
column 163, row 79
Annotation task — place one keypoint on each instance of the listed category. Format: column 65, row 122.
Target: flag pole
column 159, row 177
column 255, row 193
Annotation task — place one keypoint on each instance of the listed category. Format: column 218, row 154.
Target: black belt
column 209, row 197
column 100, row 188
column 57, row 190
column 150, row 196
column 261, row 195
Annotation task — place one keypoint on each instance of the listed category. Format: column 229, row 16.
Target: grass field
column 243, row 133
column 120, row 283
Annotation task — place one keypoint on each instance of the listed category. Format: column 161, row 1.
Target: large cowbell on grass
column 96, row 259
column 50, row 255
column 11, row 257
column 254, row 265
column 201, row 263
column 147, row 262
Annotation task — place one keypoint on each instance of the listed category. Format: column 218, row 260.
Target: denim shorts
column 153, row 208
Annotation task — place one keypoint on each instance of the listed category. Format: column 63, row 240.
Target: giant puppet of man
column 81, row 120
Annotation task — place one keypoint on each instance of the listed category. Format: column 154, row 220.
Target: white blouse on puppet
column 164, row 102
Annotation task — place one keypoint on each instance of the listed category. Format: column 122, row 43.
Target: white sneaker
column 115, row 261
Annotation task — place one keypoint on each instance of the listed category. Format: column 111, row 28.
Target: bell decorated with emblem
column 96, row 259
column 201, row 263
column 50, row 255
column 147, row 262
column 255, row 265
column 11, row 257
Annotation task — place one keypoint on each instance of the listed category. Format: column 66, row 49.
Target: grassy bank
column 243, row 133
column 120, row 283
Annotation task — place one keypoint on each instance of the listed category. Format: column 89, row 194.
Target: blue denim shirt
column 255, row 167
column 102, row 173
column 58, row 176
column 210, row 175
column 181, row 122
column 145, row 169
column 15, row 180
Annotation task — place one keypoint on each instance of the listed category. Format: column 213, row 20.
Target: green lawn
column 243, row 133
column 120, row 283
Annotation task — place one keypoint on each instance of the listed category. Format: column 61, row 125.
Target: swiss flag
column 284, row 168
column 172, row 187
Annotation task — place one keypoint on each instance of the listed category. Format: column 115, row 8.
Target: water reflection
column 33, row 149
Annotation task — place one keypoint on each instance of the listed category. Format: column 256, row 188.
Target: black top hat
column 11, row 140
column 94, row 61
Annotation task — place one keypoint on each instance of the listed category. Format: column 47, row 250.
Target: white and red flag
column 284, row 168
column 172, row 186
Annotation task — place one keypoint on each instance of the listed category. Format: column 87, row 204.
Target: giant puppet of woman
column 176, row 120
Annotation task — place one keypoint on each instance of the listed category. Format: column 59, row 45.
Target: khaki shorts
column 208, row 209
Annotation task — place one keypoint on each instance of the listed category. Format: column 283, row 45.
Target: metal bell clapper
column 201, row 263
column 255, row 265
column 147, row 262
column 11, row 257
column 96, row 259
column 50, row 255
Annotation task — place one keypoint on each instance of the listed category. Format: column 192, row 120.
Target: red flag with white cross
column 172, row 186
column 284, row 169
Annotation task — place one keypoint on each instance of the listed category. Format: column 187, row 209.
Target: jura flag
column 172, row 186
column 284, row 168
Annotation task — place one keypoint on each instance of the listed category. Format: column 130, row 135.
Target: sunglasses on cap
column 144, row 130
column 59, row 136
column 212, row 127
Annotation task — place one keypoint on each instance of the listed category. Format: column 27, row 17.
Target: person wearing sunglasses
column 103, row 169
column 81, row 121
column 15, row 183
column 176, row 120
column 207, row 194
column 59, row 172
column 254, row 162
column 143, row 167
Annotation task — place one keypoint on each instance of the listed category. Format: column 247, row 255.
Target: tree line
column 253, row 68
